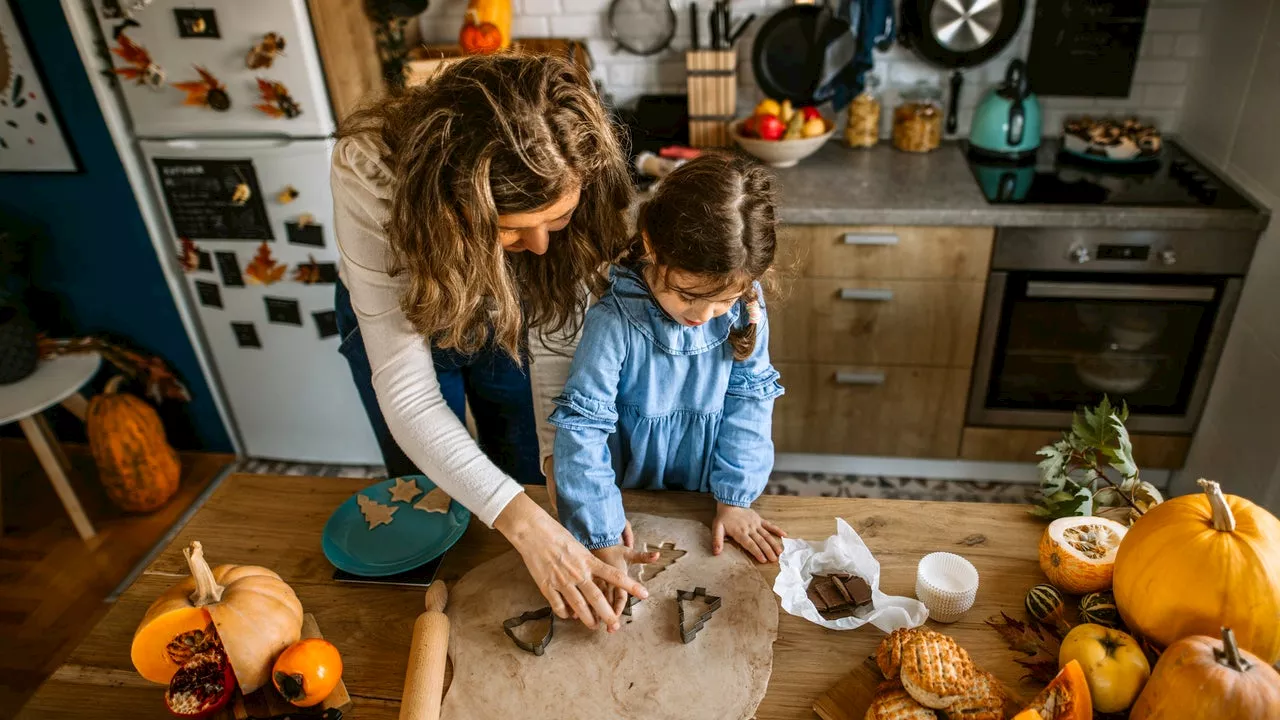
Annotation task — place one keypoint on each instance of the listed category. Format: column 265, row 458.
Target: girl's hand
column 760, row 538
column 565, row 573
column 619, row 556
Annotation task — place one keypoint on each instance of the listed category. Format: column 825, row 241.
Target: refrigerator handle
column 257, row 143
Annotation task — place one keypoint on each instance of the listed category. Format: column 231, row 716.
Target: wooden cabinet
column 1164, row 452
column 874, row 333
column 880, row 410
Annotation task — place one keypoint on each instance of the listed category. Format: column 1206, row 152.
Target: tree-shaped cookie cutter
column 537, row 648
column 713, row 604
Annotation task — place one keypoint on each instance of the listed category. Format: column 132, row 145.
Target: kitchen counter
column 882, row 186
column 277, row 522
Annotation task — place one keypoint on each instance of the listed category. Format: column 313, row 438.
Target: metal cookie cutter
column 537, row 648
column 713, row 604
column 632, row 601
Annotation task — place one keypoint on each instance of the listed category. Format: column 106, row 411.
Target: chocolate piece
column 838, row 595
column 859, row 590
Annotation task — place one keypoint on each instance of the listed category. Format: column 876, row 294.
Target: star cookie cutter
column 537, row 648
column 713, row 604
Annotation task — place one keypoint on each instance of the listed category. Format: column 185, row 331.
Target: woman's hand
column 760, row 538
column 565, row 572
column 619, row 556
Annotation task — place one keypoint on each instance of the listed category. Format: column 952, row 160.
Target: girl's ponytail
column 743, row 338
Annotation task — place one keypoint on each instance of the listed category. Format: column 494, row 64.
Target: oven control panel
column 1183, row 252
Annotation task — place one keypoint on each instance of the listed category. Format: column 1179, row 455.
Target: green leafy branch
column 1074, row 477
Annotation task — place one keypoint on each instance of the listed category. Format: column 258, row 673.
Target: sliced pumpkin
column 1066, row 697
column 176, row 633
column 1078, row 554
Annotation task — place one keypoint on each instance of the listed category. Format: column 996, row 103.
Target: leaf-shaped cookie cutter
column 537, row 648
column 713, row 604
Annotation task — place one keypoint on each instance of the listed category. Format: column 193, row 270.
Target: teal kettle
column 1006, row 124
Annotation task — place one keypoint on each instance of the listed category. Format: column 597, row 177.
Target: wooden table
column 277, row 522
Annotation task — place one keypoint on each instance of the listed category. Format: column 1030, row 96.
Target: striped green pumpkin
column 1100, row 609
column 1045, row 604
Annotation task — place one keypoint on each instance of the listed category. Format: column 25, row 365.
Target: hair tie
column 754, row 314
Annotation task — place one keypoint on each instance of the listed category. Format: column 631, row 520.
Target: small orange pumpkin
column 307, row 672
column 1202, row 678
column 249, row 609
column 487, row 27
column 136, row 466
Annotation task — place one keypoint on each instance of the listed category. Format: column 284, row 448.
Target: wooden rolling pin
column 424, row 679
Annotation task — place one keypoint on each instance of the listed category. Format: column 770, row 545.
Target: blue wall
column 96, row 262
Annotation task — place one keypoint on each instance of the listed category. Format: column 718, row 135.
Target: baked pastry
column 892, row 702
column 889, row 654
column 984, row 701
column 935, row 670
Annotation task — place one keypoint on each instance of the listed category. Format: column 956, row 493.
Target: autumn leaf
column 263, row 269
column 198, row 90
column 307, row 273
column 1039, row 653
column 276, row 100
column 189, row 257
column 137, row 57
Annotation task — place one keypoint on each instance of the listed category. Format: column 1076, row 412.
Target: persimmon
column 307, row 671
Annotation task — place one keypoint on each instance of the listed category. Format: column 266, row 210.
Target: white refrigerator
column 228, row 106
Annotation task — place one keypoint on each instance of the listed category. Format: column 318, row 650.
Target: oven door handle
column 1120, row 291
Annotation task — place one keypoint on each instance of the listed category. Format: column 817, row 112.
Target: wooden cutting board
column 267, row 703
column 849, row 698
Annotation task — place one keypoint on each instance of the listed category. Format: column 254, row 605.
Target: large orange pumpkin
column 1201, row 678
column 136, row 466
column 1196, row 563
column 486, row 27
column 249, row 609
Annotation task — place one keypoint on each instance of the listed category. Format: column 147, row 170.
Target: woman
column 468, row 211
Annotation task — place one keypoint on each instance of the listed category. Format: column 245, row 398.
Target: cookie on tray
column 892, row 702
column 984, row 701
column 935, row 670
column 889, row 654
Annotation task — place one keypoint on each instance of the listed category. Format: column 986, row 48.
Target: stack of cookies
column 930, row 677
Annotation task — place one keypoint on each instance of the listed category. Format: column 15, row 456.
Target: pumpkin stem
column 1229, row 655
column 1223, row 519
column 113, row 385
column 207, row 591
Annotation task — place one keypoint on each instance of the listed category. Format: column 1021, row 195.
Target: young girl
column 671, row 385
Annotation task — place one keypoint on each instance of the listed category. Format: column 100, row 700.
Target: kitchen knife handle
column 953, row 105
column 693, row 26
column 424, row 678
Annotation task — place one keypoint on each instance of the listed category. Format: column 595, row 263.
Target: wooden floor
column 52, row 585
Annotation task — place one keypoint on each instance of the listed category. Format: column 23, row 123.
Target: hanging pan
column 795, row 50
column 959, row 34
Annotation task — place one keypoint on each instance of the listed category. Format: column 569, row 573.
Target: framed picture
column 31, row 135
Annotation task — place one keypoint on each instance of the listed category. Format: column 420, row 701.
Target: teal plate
column 412, row 538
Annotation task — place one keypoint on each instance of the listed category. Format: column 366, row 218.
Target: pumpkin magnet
column 287, row 195
column 263, row 269
column 276, row 101
column 265, row 52
column 139, row 67
column 207, row 91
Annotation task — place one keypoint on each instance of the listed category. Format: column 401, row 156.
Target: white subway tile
column 907, row 74
column 1166, row 19
column 1187, row 46
column 1158, row 45
column 1161, row 71
column 527, row 26
column 1159, row 97
column 539, row 7
column 633, row 74
column 578, row 26
column 584, row 7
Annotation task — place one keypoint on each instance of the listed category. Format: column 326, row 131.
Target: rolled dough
column 641, row 671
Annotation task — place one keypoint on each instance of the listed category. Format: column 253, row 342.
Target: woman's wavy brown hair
column 713, row 217
column 491, row 136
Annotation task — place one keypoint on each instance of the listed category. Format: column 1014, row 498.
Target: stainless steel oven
column 1071, row 315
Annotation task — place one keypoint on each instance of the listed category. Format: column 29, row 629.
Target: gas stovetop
column 1174, row 179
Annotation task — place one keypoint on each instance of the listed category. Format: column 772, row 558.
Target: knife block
column 713, row 96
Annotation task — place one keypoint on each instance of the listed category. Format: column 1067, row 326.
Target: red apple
column 810, row 113
column 771, row 128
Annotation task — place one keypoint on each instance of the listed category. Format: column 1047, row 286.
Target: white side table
column 55, row 381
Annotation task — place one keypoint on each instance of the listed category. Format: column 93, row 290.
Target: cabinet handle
column 853, row 238
column 860, row 378
column 873, row 294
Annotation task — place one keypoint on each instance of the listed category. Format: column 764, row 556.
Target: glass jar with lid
column 862, row 130
column 917, row 121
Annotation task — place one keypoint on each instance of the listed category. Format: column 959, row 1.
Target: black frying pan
column 789, row 56
column 958, row 34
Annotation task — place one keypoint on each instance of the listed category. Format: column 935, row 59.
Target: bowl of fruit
column 781, row 135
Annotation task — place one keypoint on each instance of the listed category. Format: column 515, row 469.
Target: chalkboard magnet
column 209, row 294
column 326, row 323
column 205, row 92
column 189, row 257
column 264, row 53
column 287, row 195
column 314, row 273
column 302, row 233
column 276, row 101
column 263, row 269
column 229, row 269
column 138, row 65
column 196, row 23
column 283, row 311
column 246, row 335
column 204, row 260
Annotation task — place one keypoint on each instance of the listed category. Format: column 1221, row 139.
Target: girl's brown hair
column 490, row 136
column 713, row 217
